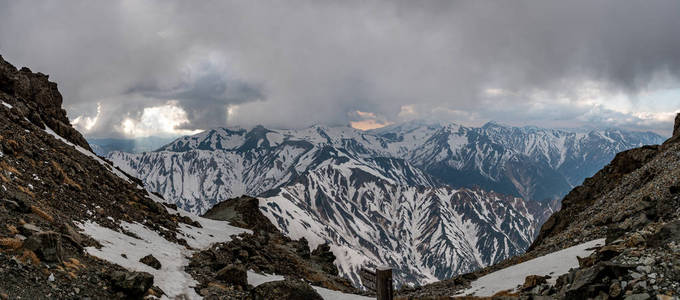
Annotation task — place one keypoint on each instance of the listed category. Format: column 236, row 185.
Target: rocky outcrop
column 676, row 131
column 133, row 285
column 243, row 212
column 606, row 180
column 266, row 250
column 37, row 99
column 151, row 261
column 234, row 275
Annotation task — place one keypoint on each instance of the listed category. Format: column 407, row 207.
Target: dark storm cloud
column 205, row 98
column 295, row 63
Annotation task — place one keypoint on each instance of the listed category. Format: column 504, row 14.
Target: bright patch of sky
column 161, row 120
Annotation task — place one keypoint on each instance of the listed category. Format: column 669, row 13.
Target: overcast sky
column 139, row 68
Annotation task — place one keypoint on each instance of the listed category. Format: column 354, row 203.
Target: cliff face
column 37, row 99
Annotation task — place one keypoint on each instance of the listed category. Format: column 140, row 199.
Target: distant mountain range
column 102, row 146
column 416, row 195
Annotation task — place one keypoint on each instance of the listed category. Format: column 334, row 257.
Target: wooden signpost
column 379, row 282
column 368, row 279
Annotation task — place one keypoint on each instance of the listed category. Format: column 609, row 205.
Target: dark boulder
column 532, row 281
column 47, row 245
column 151, row 261
column 288, row 289
column 587, row 282
column 133, row 284
column 233, row 274
column 324, row 257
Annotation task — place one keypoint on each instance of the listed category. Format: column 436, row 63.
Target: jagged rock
column 532, row 281
column 72, row 233
column 668, row 233
column 326, row 258
column 587, row 282
column 303, row 248
column 29, row 229
column 47, row 245
column 676, row 127
column 38, row 99
column 151, row 261
column 285, row 290
column 132, row 284
column 615, row 290
column 232, row 274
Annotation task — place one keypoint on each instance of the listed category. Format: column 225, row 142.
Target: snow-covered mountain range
column 416, row 195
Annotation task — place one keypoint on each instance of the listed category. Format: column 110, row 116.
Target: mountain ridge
column 339, row 179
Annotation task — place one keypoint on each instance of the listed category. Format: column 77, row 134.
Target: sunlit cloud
column 164, row 120
column 86, row 123
column 368, row 121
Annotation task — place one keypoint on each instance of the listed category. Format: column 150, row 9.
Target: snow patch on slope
column 553, row 264
column 171, row 278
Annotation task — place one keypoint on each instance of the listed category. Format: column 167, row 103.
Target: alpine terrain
column 433, row 199
column 617, row 236
column 75, row 227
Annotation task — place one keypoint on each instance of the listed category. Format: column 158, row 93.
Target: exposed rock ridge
column 37, row 99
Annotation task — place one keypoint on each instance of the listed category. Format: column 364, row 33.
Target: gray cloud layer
column 294, row 63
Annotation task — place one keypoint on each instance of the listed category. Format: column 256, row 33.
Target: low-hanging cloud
column 301, row 62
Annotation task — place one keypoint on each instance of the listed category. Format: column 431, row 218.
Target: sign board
column 367, row 279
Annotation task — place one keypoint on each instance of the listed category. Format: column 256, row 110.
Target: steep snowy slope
column 426, row 233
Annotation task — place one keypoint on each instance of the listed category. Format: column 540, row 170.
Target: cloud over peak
column 550, row 63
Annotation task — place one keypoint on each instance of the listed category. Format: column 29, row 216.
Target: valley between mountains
column 331, row 200
column 431, row 199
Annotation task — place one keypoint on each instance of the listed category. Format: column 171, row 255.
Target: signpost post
column 384, row 287
column 379, row 282
column 368, row 279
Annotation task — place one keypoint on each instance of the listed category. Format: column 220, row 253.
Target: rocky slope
column 37, row 98
column 634, row 204
column 74, row 227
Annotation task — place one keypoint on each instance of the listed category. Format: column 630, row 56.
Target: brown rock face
column 242, row 212
column 582, row 197
column 676, row 128
column 37, row 99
